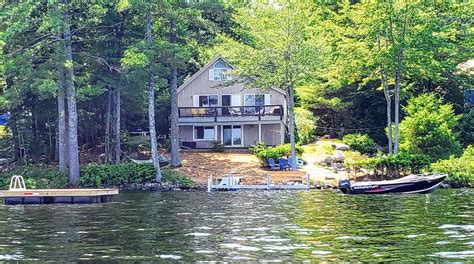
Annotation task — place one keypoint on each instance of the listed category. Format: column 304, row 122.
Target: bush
column 360, row 142
column 116, row 174
column 460, row 170
column 217, row 146
column 392, row 165
column 259, row 146
column 264, row 154
column 306, row 124
column 36, row 177
column 428, row 128
column 95, row 175
column 466, row 127
column 175, row 177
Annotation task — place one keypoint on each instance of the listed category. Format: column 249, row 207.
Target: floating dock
column 52, row 196
column 232, row 183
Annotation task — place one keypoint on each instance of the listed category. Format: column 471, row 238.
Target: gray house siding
column 272, row 134
column 250, row 134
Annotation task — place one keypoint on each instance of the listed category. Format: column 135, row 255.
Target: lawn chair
column 229, row 181
column 290, row 163
column 283, row 163
column 273, row 166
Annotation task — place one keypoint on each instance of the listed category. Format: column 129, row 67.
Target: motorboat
column 418, row 183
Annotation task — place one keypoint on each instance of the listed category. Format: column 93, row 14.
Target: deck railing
column 232, row 111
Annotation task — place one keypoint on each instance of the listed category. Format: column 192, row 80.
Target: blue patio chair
column 290, row 163
column 283, row 163
column 273, row 166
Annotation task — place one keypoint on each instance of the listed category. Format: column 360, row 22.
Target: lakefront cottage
column 213, row 109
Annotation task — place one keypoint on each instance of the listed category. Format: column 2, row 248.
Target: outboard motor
column 344, row 185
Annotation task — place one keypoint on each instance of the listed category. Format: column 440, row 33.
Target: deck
column 51, row 196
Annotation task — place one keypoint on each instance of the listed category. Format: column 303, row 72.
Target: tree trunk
column 116, row 72
column 108, row 155
column 388, row 99
column 151, row 102
column 62, row 147
column 291, row 117
column 398, row 78
column 175, row 158
column 74, row 169
column 117, row 146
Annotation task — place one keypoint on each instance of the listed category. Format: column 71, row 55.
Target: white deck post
column 268, row 182
column 259, row 132
column 308, row 181
column 282, row 133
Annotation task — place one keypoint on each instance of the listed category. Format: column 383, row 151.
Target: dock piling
column 308, row 180
column 268, row 182
column 209, row 184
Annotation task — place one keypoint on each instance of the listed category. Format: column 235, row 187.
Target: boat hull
column 422, row 185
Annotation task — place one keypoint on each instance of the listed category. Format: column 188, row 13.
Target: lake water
column 245, row 226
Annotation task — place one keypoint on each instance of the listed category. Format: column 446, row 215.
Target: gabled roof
column 209, row 64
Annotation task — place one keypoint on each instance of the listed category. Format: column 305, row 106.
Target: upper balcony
column 230, row 114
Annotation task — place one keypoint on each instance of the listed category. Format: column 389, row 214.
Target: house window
column 203, row 133
column 220, row 71
column 254, row 99
column 208, row 100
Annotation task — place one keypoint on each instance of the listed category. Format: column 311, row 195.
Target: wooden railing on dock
column 268, row 186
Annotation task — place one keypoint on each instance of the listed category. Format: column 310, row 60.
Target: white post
column 259, row 132
column 268, row 182
column 308, row 182
column 282, row 133
column 209, row 184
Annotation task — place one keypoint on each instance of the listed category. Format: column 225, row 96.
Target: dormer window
column 220, row 71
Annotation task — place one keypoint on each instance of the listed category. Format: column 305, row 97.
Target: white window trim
column 204, row 139
column 232, row 141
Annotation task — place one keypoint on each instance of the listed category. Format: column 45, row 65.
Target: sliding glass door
column 232, row 136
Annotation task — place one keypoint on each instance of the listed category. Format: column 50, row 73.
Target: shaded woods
column 80, row 79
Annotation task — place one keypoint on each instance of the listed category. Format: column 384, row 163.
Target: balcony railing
column 232, row 111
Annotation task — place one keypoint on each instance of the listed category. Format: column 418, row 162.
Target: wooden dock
column 51, row 196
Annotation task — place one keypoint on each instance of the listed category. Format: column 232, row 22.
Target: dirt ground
column 200, row 165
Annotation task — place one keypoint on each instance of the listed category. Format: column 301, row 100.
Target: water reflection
column 264, row 226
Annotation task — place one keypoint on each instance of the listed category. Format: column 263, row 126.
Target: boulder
column 338, row 156
column 341, row 146
column 327, row 161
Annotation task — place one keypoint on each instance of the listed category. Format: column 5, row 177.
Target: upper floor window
column 220, row 71
column 208, row 100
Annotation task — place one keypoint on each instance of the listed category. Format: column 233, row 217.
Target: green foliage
column 460, row 170
column 217, row 146
column 36, row 177
column 305, row 124
column 428, row 128
column 98, row 175
column 391, row 165
column 265, row 153
column 95, row 176
column 360, row 142
column 3, row 131
column 257, row 147
column 466, row 127
column 175, row 177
